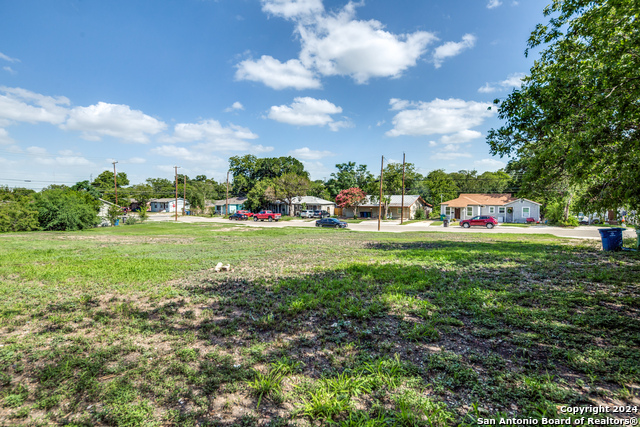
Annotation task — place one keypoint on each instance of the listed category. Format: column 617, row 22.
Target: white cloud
column 211, row 131
column 487, row 88
column 461, row 137
column 309, row 154
column 512, row 81
column 21, row 105
column 9, row 70
column 292, row 8
column 5, row 139
column 277, row 75
column 115, row 120
column 67, row 158
column 306, row 111
column 8, row 58
column 493, row 4
column 488, row 164
column 450, row 49
column 335, row 44
column 338, row 44
column 235, row 106
column 451, row 116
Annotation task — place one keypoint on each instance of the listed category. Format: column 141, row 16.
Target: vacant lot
column 132, row 326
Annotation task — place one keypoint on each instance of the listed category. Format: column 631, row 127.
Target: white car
column 306, row 214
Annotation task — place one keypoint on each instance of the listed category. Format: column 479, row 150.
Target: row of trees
column 54, row 208
column 261, row 180
column 283, row 178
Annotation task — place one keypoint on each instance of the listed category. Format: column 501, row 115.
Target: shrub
column 113, row 214
column 65, row 209
column 143, row 215
column 419, row 214
column 18, row 216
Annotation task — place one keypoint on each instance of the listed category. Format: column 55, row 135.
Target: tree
column 86, row 186
column 248, row 170
column 348, row 176
column 392, row 177
column 286, row 188
column 442, row 187
column 351, row 198
column 18, row 216
column 318, row 189
column 575, row 120
column 105, row 185
column 60, row 209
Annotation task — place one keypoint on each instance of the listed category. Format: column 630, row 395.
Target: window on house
column 447, row 210
column 469, row 210
column 492, row 209
column 501, row 209
column 526, row 212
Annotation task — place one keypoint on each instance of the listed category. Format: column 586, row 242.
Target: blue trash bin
column 117, row 222
column 611, row 238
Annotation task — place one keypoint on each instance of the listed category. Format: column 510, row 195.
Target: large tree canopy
column 575, row 121
column 248, row 170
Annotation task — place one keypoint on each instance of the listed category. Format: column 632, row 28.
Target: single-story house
column 235, row 204
column 412, row 203
column 503, row 207
column 168, row 204
column 104, row 209
column 301, row 203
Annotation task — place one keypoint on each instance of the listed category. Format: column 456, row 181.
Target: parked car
column 247, row 213
column 321, row 214
column 331, row 222
column 268, row 215
column 306, row 214
column 239, row 216
column 482, row 220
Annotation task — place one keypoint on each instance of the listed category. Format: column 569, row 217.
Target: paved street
column 582, row 232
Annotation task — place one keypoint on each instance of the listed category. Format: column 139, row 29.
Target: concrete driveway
column 582, row 232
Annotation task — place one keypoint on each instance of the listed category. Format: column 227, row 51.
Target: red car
column 482, row 220
column 245, row 212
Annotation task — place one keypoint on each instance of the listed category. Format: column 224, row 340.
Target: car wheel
column 270, row 219
column 255, row 218
column 317, row 225
column 489, row 225
column 466, row 225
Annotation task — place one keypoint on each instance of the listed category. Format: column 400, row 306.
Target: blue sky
column 190, row 83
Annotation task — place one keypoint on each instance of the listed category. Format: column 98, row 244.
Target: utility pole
column 402, row 204
column 176, row 168
column 115, row 182
column 184, row 196
column 380, row 201
column 226, row 211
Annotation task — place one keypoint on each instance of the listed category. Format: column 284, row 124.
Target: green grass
column 513, row 224
column 133, row 326
column 414, row 221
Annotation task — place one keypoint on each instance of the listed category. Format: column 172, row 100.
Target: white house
column 168, row 204
column 503, row 207
column 301, row 203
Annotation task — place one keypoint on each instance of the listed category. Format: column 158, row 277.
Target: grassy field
column 132, row 326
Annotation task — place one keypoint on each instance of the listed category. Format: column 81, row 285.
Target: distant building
column 168, row 204
column 412, row 203
column 503, row 207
